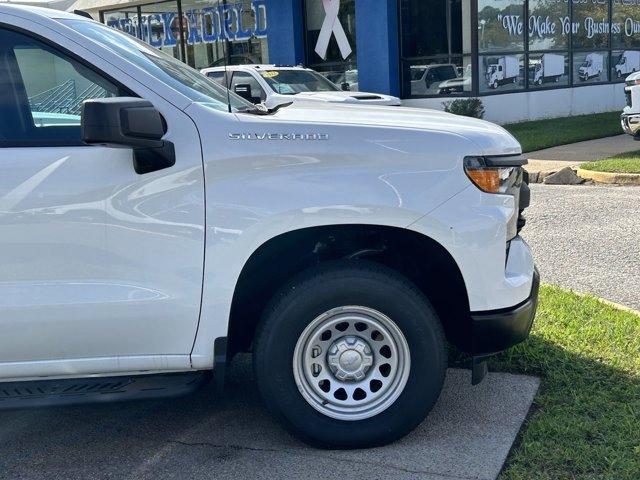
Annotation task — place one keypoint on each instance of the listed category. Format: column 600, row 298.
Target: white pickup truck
column 630, row 118
column 165, row 230
column 272, row 85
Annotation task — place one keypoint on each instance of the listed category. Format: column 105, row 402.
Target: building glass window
column 590, row 24
column 500, row 25
column 125, row 19
column 501, row 72
column 199, row 32
column 550, row 69
column 160, row 27
column 548, row 24
column 590, row 67
column 330, row 41
column 625, row 28
column 436, row 47
column 624, row 63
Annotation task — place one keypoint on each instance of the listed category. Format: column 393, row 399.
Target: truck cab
column 153, row 224
column 505, row 70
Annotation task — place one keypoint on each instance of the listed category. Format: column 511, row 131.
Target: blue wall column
column 377, row 46
column 285, row 35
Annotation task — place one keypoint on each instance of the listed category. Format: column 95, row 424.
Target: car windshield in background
column 291, row 82
column 177, row 75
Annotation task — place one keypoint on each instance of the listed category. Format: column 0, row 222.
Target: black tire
column 319, row 290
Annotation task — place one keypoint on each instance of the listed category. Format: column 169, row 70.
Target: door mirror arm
column 128, row 122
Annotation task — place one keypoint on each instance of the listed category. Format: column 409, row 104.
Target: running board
column 47, row 393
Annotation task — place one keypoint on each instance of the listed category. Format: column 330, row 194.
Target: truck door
column 101, row 267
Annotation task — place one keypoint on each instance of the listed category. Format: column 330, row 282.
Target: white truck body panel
column 135, row 296
column 511, row 66
column 552, row 64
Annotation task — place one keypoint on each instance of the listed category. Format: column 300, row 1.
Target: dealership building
column 525, row 59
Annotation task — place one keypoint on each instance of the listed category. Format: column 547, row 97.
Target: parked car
column 628, row 62
column 549, row 69
column 592, row 66
column 347, row 80
column 177, row 224
column 272, row 85
column 630, row 118
column 505, row 70
column 426, row 79
column 458, row 84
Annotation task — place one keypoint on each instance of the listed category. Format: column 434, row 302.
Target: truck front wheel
column 350, row 355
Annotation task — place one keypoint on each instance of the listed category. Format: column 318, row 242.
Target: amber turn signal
column 487, row 180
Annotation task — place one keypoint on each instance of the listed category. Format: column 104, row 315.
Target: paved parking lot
column 587, row 238
column 467, row 436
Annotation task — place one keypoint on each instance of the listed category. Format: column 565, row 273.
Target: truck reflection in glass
column 505, row 70
column 592, row 66
column 628, row 62
column 549, row 68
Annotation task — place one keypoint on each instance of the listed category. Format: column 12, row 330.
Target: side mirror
column 345, row 86
column 128, row 122
column 244, row 90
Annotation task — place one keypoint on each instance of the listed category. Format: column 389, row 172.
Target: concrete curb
column 619, row 306
column 607, row 177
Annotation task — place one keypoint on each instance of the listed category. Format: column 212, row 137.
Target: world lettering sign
column 204, row 25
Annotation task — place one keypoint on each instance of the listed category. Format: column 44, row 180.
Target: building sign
column 541, row 26
column 204, row 25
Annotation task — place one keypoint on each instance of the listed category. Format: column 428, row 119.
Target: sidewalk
column 556, row 158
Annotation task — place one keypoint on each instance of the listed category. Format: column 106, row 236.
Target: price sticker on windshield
column 270, row 74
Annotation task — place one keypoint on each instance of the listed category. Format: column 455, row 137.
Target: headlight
column 493, row 179
column 501, row 175
column 631, row 83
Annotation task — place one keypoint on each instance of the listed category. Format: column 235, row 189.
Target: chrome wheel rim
column 351, row 363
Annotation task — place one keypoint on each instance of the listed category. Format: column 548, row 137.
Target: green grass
column 585, row 421
column 540, row 134
column 623, row 163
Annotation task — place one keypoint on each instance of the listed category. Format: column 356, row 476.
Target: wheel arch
column 420, row 258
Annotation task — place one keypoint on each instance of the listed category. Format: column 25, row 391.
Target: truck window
column 217, row 77
column 245, row 78
column 173, row 73
column 43, row 89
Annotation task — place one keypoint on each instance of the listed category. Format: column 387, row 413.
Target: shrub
column 469, row 107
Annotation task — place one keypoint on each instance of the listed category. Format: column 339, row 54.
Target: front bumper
column 631, row 124
column 497, row 330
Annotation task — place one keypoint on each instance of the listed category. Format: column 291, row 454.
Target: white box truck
column 550, row 68
column 592, row 66
column 628, row 62
column 505, row 70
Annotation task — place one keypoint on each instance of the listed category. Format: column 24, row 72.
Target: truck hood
column 349, row 97
column 490, row 139
column 634, row 76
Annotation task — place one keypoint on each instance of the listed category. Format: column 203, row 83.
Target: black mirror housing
column 128, row 122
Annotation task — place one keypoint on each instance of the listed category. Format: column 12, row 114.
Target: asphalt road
column 466, row 437
column 587, row 238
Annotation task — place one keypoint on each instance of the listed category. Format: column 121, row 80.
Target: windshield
column 290, row 82
column 177, row 75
